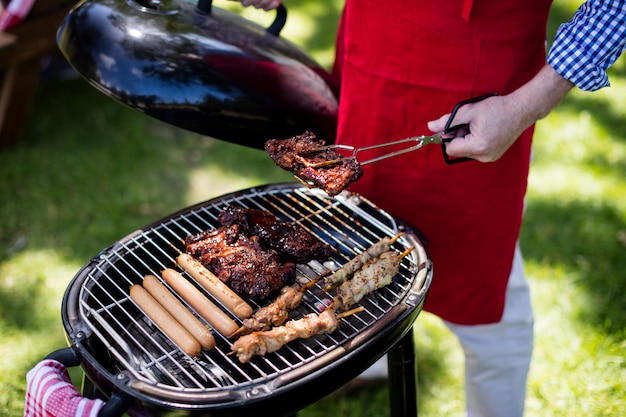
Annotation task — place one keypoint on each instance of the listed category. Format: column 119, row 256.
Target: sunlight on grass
column 33, row 282
column 212, row 181
column 570, row 347
column 575, row 183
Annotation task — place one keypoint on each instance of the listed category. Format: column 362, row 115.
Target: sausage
column 181, row 313
column 203, row 306
column 215, row 286
column 164, row 320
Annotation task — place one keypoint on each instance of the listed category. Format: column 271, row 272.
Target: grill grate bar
column 349, row 224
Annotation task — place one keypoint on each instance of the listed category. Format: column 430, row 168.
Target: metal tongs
column 421, row 141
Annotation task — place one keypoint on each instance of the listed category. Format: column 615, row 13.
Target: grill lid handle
column 277, row 25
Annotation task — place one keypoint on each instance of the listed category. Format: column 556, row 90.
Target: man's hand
column 494, row 124
column 497, row 122
column 261, row 4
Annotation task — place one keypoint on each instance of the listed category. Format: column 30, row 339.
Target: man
column 403, row 65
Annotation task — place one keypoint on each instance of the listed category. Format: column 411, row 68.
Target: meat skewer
column 262, row 342
column 344, row 273
column 375, row 274
column 273, row 314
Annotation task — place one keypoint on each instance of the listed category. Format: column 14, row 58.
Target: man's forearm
column 541, row 94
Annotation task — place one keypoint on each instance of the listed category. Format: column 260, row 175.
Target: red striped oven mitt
column 50, row 393
column 15, row 12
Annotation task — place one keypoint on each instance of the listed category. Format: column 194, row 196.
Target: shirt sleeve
column 590, row 43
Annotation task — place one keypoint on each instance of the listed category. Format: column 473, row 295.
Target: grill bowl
column 125, row 356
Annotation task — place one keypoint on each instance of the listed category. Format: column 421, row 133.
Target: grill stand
column 403, row 377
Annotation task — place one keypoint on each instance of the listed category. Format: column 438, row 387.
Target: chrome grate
column 142, row 355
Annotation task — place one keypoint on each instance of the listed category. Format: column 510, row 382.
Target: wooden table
column 22, row 50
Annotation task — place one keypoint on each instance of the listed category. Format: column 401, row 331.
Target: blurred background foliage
column 88, row 171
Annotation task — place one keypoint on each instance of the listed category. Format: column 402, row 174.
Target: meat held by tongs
column 305, row 156
column 318, row 165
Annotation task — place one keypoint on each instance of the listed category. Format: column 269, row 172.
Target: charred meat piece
column 300, row 155
column 292, row 242
column 243, row 264
column 254, row 252
column 213, row 240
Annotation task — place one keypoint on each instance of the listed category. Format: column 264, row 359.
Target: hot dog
column 215, row 286
column 164, row 320
column 181, row 313
column 203, row 306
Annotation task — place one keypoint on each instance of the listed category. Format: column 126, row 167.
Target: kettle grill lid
column 200, row 68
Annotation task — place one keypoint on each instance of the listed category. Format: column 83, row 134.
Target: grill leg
column 403, row 377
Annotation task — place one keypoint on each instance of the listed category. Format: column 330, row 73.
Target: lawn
column 88, row 171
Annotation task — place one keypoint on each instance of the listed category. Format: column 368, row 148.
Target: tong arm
column 421, row 141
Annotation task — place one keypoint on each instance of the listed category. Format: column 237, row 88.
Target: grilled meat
column 262, row 342
column 299, row 154
column 242, row 262
column 349, row 268
column 254, row 252
column 275, row 313
column 292, row 242
column 376, row 273
column 371, row 275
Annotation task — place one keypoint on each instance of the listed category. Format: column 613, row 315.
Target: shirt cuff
column 568, row 59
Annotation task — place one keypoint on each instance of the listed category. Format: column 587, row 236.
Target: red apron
column 405, row 62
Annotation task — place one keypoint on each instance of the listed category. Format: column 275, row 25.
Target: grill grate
column 140, row 352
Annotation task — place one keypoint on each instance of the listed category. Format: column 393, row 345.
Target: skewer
column 377, row 273
column 350, row 312
column 273, row 314
column 316, row 279
column 338, row 316
column 260, row 343
column 352, row 266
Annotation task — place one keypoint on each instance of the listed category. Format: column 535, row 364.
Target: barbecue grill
column 208, row 71
column 127, row 358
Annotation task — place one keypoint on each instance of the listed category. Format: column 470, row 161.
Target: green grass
column 88, row 171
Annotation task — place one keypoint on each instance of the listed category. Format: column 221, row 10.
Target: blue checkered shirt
column 590, row 43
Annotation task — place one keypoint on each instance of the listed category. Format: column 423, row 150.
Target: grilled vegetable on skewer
column 375, row 274
column 346, row 271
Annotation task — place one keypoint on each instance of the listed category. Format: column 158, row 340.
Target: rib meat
column 292, row 242
column 293, row 154
column 254, row 252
